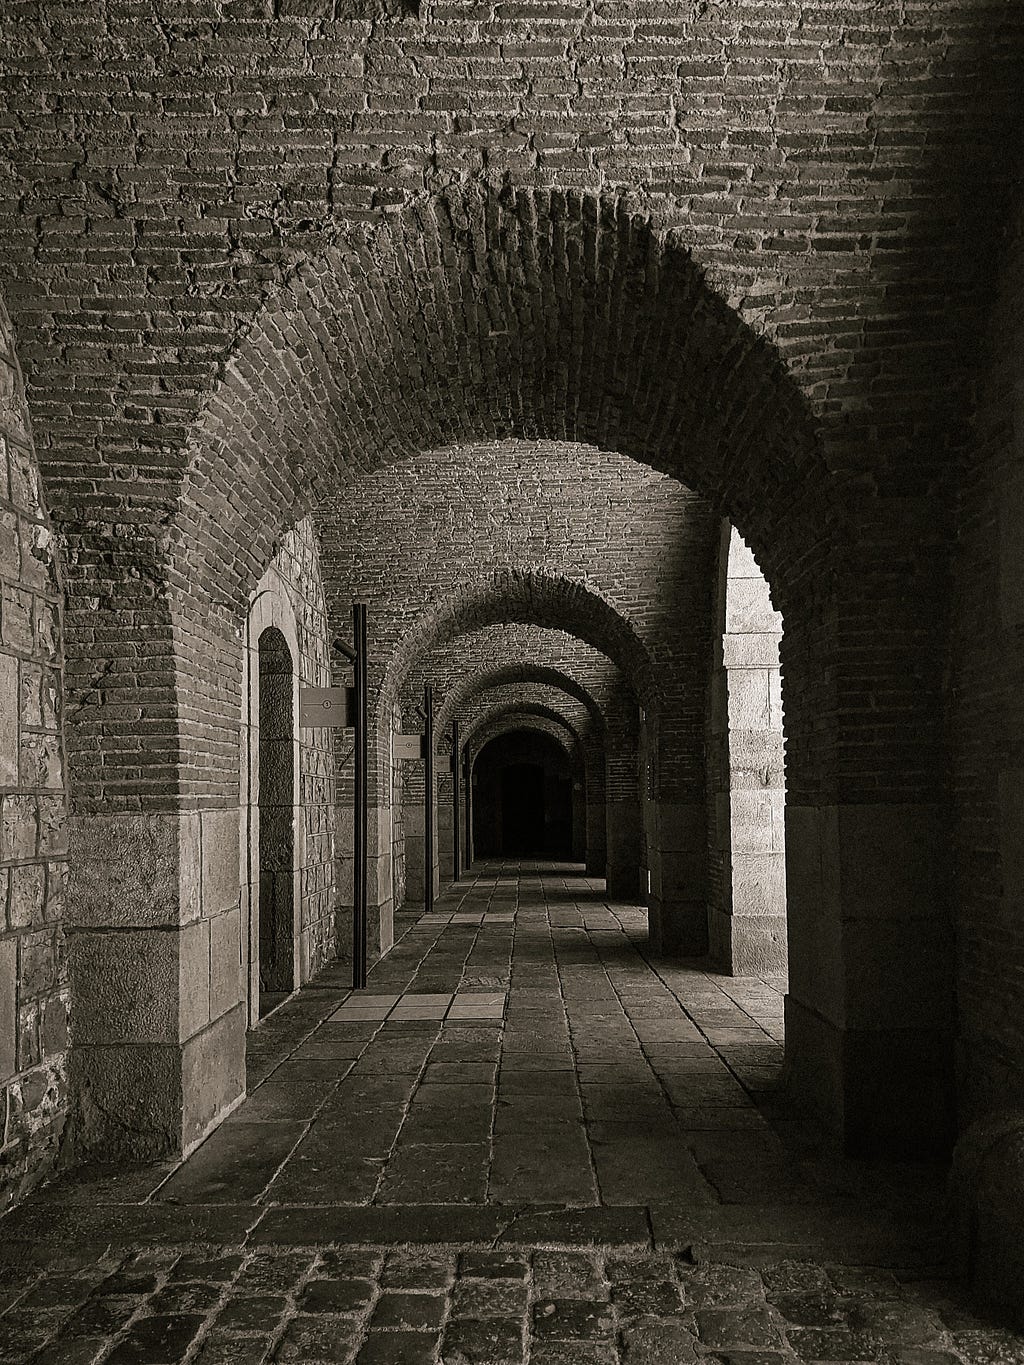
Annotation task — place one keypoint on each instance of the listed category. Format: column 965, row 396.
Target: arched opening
column 626, row 348
column 493, row 676
column 276, row 797
column 592, row 633
column 523, row 798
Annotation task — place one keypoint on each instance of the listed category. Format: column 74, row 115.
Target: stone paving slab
column 382, row 1224
column 51, row 1220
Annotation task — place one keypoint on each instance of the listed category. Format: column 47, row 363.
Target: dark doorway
column 523, row 798
column 522, row 810
column 276, row 821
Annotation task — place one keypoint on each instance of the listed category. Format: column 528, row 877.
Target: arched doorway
column 523, row 798
column 276, row 799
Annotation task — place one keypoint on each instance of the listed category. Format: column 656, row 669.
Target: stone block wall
column 298, row 562
column 293, row 589
column 748, row 844
column 34, row 986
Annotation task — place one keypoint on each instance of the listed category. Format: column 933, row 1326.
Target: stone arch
column 519, row 674
column 489, row 312
column 524, row 717
column 563, row 313
column 529, row 596
column 472, row 656
column 544, row 599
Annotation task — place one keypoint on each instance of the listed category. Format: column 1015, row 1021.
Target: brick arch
column 518, row 673
column 548, row 696
column 477, row 654
column 487, row 312
column 612, row 762
column 534, row 701
column 533, row 597
column 525, row 717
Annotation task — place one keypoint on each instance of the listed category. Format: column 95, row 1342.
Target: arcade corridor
column 524, row 1141
column 435, row 437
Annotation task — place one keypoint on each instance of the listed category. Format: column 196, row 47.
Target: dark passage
column 522, row 799
column 276, row 828
column 522, row 809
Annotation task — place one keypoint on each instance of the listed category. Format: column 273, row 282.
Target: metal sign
column 410, row 746
column 327, row 706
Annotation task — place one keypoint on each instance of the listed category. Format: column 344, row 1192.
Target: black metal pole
column 456, row 801
column 428, row 797
column 361, row 812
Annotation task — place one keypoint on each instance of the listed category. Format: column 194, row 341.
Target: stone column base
column 882, row 1093
column 147, row 1101
column 748, row 945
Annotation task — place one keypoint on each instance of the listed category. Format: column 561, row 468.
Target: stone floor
column 525, row 1142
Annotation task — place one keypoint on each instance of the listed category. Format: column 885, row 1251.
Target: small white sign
column 409, row 746
column 326, row 706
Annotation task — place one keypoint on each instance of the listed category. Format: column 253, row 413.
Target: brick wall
column 34, row 990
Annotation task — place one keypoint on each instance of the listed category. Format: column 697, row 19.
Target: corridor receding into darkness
column 526, row 1140
column 511, row 726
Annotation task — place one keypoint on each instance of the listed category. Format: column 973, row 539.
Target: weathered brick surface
column 800, row 155
column 34, row 994
column 577, row 538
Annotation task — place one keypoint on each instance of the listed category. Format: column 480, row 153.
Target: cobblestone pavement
column 601, row 1175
